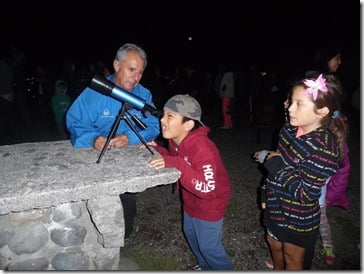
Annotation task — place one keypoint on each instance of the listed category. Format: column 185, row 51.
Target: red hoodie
column 204, row 181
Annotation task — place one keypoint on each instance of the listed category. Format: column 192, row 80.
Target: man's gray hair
column 124, row 49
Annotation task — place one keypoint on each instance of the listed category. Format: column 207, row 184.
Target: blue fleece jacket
column 92, row 114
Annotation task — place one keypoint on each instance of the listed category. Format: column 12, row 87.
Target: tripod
column 122, row 116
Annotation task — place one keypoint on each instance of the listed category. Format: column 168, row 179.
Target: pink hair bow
column 315, row 85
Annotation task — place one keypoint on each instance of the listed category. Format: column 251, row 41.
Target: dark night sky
column 282, row 31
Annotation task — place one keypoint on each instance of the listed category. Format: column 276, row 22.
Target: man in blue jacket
column 92, row 115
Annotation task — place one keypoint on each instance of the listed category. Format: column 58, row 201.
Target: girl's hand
column 157, row 163
column 273, row 154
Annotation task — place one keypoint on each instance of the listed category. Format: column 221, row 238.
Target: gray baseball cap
column 186, row 106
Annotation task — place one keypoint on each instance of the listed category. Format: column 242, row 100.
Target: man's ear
column 116, row 64
column 323, row 111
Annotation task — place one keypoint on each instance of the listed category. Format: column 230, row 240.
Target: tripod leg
column 111, row 134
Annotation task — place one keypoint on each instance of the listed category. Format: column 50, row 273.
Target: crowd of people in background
column 231, row 86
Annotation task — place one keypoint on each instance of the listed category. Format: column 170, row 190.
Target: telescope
column 108, row 88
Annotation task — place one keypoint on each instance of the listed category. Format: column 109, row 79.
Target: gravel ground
column 158, row 222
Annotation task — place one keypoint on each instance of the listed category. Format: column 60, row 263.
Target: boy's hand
column 157, row 163
column 150, row 143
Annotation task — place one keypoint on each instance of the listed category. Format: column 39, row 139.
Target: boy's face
column 173, row 127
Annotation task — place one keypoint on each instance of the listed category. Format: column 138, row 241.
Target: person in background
column 204, row 181
column 60, row 103
column 328, row 60
column 226, row 93
column 92, row 115
column 309, row 151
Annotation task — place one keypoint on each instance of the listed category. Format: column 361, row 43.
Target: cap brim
column 202, row 124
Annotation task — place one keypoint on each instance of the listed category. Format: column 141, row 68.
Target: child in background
column 328, row 60
column 335, row 196
column 204, row 181
column 309, row 152
column 60, row 103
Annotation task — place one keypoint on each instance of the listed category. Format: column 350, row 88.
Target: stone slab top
column 44, row 174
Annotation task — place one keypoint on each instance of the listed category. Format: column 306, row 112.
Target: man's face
column 129, row 72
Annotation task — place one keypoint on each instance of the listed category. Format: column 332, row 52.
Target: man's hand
column 118, row 142
column 99, row 143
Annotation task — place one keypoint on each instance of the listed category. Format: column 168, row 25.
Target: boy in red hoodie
column 204, row 181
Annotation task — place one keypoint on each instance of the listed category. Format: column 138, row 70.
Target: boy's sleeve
column 161, row 150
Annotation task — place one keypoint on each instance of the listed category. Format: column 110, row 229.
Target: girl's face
column 173, row 127
column 302, row 111
column 334, row 63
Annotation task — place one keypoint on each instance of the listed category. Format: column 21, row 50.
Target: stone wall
column 61, row 211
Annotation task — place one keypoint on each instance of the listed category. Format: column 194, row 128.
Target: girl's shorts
column 304, row 240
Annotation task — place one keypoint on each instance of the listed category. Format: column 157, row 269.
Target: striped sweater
column 294, row 181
